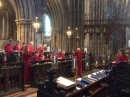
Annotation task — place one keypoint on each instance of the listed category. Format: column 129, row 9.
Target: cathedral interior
column 99, row 27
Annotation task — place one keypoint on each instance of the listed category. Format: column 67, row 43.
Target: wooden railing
column 96, row 89
column 11, row 79
column 39, row 73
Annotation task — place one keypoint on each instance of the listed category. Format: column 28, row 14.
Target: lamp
column 87, row 66
column 69, row 33
column 36, row 25
column 103, row 63
column 96, row 64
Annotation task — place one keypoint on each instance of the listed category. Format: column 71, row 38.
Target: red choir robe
column 59, row 55
column 16, row 47
column 79, row 55
column 35, row 57
column 8, row 48
column 46, row 58
column 63, row 56
column 41, row 56
column 27, row 73
column 31, row 48
column 39, row 49
column 22, row 48
column 44, row 49
column 120, row 58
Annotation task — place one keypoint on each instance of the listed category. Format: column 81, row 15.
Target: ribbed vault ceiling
column 29, row 9
column 57, row 9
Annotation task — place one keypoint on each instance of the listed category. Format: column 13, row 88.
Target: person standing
column 39, row 48
column 31, row 48
column 41, row 55
column 79, row 55
column 63, row 55
column 16, row 46
column 35, row 57
column 23, row 46
column 8, row 47
column 45, row 47
column 59, row 54
column 26, row 58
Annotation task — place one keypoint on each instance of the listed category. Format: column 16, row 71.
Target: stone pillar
column 18, row 29
column 25, row 31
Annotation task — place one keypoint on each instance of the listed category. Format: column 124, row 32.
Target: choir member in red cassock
column 8, row 47
column 63, row 55
column 39, row 47
column 41, row 55
column 16, row 46
column 59, row 55
column 26, row 58
column 121, row 57
column 35, row 57
column 31, row 48
column 23, row 45
column 45, row 48
column 79, row 55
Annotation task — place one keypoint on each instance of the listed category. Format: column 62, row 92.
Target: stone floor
column 32, row 92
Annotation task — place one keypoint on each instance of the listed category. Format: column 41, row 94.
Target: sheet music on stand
column 65, row 83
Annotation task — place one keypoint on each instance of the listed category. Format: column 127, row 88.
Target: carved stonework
column 25, row 30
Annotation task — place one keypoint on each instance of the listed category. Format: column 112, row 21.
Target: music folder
column 65, row 83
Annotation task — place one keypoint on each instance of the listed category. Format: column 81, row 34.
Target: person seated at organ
column 63, row 55
column 121, row 57
column 59, row 55
column 31, row 48
column 17, row 46
column 45, row 47
column 39, row 47
column 35, row 57
column 23, row 46
column 8, row 47
column 41, row 55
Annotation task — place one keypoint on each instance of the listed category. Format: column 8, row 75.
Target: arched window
column 47, row 25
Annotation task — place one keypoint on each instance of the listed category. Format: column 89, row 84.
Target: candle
column 96, row 62
column 74, row 63
column 87, row 63
column 54, row 59
column 103, row 61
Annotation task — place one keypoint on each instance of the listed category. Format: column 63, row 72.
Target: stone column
column 18, row 29
column 25, row 30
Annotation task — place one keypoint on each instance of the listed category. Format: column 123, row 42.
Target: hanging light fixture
column 36, row 24
column 69, row 32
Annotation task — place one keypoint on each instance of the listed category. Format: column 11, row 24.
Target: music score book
column 65, row 83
